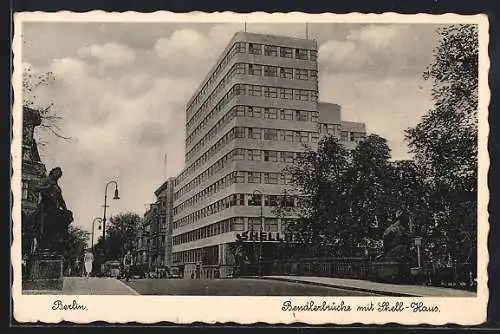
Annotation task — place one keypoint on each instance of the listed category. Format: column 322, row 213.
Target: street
column 234, row 287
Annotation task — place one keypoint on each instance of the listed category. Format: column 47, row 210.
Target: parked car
column 173, row 272
column 138, row 271
column 111, row 268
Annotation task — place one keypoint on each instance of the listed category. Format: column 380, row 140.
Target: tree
column 74, row 246
column 368, row 185
column 318, row 192
column 121, row 233
column 32, row 83
column 445, row 141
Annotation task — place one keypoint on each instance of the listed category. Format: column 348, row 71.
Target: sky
column 121, row 89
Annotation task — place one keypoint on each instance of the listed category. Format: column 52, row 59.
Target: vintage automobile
column 173, row 272
column 111, row 268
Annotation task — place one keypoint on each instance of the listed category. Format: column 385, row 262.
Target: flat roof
column 242, row 36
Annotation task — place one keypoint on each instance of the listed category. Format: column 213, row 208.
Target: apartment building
column 154, row 242
column 248, row 120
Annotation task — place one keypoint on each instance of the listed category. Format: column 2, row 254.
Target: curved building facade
column 247, row 121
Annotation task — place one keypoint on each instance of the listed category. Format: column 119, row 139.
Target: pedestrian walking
column 127, row 263
column 88, row 260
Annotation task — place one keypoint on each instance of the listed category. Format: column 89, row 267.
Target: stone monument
column 52, row 220
column 393, row 263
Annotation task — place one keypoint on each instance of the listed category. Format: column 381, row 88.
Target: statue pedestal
column 45, row 272
column 390, row 270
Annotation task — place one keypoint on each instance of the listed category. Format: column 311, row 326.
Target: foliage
column 345, row 202
column 445, row 143
column 316, row 177
column 74, row 245
column 32, row 83
column 121, row 233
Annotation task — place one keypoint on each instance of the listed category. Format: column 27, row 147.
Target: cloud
column 109, row 54
column 124, row 106
column 379, row 50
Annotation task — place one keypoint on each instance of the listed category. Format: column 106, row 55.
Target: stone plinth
column 45, row 272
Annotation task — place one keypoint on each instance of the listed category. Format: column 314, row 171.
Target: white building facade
column 247, row 121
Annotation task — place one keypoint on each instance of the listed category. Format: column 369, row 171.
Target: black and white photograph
column 294, row 159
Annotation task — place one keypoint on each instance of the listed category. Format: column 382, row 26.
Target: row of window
column 234, row 200
column 231, row 178
column 255, row 70
column 228, row 225
column 254, row 112
column 262, row 134
column 237, row 155
column 205, row 255
column 250, row 90
column 273, row 71
column 242, row 132
column 243, row 47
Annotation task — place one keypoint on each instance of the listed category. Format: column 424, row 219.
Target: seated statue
column 52, row 217
column 396, row 239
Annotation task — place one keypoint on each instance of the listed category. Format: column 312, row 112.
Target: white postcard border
column 247, row 310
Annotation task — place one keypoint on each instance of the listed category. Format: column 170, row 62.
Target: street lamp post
column 261, row 227
column 98, row 219
column 105, row 206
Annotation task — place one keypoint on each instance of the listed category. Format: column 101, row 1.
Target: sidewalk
column 375, row 287
column 88, row 286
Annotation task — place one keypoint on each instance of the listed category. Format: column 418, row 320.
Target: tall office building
column 246, row 122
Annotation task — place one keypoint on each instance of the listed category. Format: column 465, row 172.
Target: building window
column 255, row 224
column 271, row 113
column 254, row 155
column 239, row 47
column 270, row 51
column 286, row 114
column 255, row 90
column 286, row 52
column 314, row 137
column 302, row 95
column 301, row 115
column 344, row 135
column 314, row 116
column 254, row 177
column 239, row 110
column 239, row 68
column 271, row 92
column 313, row 74
column 270, row 71
column 255, row 200
column 239, row 177
column 254, row 49
column 270, row 134
column 254, row 111
column 286, row 179
column 271, row 225
column 314, row 96
column 239, row 132
column 287, row 135
column 254, row 133
column 271, row 156
column 239, row 90
column 304, row 137
column 301, row 74
column 237, row 224
column 239, row 154
column 254, row 69
column 271, row 178
column 313, row 55
column 286, row 157
column 286, row 93
column 301, row 54
column 286, row 73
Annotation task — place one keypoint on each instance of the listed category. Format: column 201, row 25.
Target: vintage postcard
column 275, row 168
